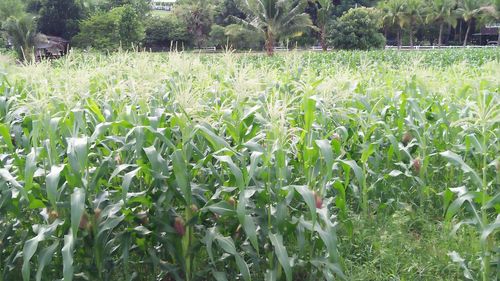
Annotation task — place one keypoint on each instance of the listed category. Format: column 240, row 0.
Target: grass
column 377, row 165
column 406, row 246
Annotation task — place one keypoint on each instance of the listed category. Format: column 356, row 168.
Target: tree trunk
column 323, row 39
column 467, row 33
column 460, row 33
column 269, row 43
column 399, row 38
column 440, row 39
column 411, row 34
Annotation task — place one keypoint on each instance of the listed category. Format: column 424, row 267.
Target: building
column 488, row 34
column 50, row 47
column 162, row 5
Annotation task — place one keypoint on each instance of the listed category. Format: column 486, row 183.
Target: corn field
column 379, row 165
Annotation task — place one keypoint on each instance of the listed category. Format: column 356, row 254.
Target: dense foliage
column 59, row 18
column 135, row 166
column 119, row 27
column 165, row 33
column 357, row 29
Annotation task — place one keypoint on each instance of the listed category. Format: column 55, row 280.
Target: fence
column 437, row 47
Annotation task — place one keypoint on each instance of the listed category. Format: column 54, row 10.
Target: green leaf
column 67, row 255
column 367, row 152
column 234, row 170
column 243, row 267
column 457, row 203
column 326, row 152
column 308, row 197
column 216, row 141
column 221, row 208
column 7, row 176
column 395, row 173
column 247, row 221
column 158, row 164
column 493, row 201
column 219, row 276
column 281, row 254
column 4, row 132
column 94, row 107
column 457, row 160
column 227, row 244
column 77, row 208
column 77, row 154
column 489, row 229
column 45, row 258
column 358, row 172
column 208, row 240
column 28, row 251
column 127, row 180
column 254, row 158
column 52, row 182
column 31, row 246
column 29, row 169
column 181, row 175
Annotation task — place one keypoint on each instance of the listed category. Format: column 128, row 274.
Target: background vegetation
column 108, row 25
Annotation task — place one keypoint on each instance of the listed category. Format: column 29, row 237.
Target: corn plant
column 139, row 166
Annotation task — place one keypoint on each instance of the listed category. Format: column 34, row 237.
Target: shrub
column 357, row 29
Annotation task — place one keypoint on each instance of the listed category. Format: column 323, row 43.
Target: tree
column 130, row 27
column 110, row 30
column 198, row 16
column 218, row 36
column 21, row 31
column 442, row 12
column 225, row 10
column 357, row 29
column 340, row 7
column 322, row 18
column 411, row 15
column 59, row 18
column 11, row 8
column 469, row 10
column 161, row 32
column 393, row 16
column 275, row 19
column 141, row 7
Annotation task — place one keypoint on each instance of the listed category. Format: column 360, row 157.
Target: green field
column 379, row 165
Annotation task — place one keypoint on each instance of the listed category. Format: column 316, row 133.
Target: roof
column 43, row 41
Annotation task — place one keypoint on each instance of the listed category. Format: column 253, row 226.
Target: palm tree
column 22, row 32
column 393, row 12
column 276, row 19
column 324, row 9
column 442, row 12
column 412, row 15
column 492, row 16
column 469, row 10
